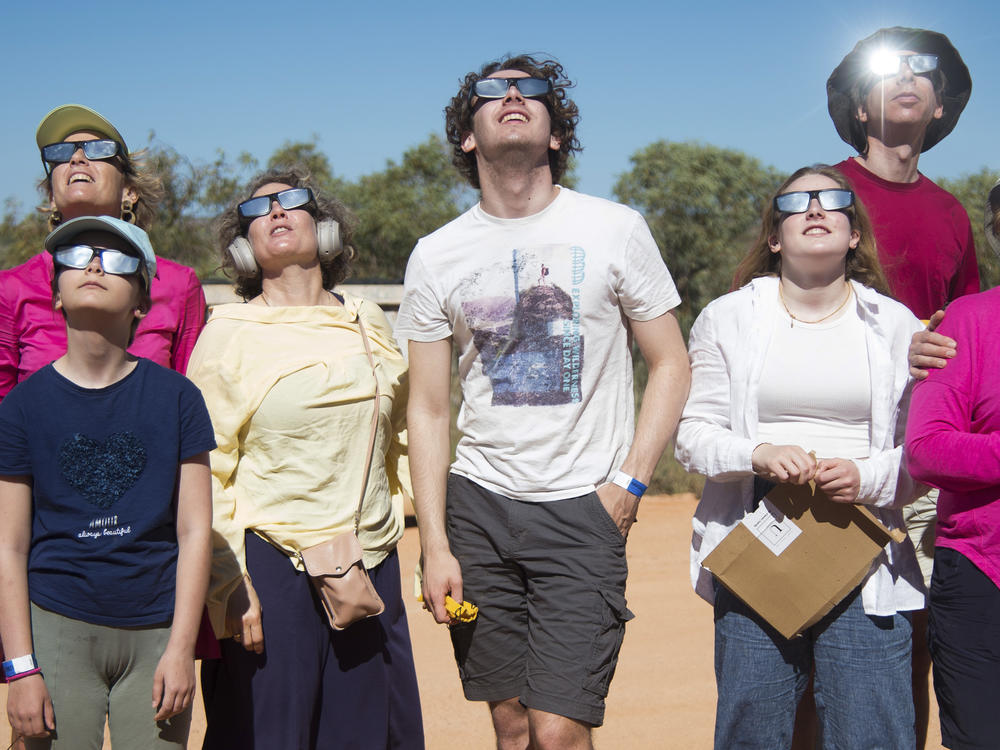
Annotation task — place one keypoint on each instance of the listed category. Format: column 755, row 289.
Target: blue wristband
column 631, row 484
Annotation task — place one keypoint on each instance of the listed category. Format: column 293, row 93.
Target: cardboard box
column 798, row 555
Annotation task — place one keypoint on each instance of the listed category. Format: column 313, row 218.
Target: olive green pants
column 94, row 672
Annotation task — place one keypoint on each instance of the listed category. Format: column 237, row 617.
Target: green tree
column 402, row 203
column 181, row 230
column 306, row 154
column 224, row 180
column 971, row 191
column 20, row 238
column 570, row 177
column 703, row 204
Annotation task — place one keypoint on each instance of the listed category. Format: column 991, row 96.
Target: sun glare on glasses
column 112, row 261
column 497, row 88
column 60, row 153
column 833, row 199
column 288, row 199
column 886, row 63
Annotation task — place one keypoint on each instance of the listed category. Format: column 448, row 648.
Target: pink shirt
column 953, row 433
column 924, row 239
column 32, row 334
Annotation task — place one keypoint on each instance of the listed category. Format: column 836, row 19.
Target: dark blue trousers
column 314, row 688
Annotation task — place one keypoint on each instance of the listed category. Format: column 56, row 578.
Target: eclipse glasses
column 497, row 88
column 885, row 63
column 831, row 199
column 112, row 261
column 62, row 152
column 260, row 205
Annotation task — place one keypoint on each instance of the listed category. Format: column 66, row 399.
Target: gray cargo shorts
column 549, row 581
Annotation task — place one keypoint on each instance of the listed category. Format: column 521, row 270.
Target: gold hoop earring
column 55, row 219
column 127, row 214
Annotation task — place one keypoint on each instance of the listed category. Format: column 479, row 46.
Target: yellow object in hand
column 464, row 612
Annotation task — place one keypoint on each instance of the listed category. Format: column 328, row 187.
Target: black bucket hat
column 846, row 76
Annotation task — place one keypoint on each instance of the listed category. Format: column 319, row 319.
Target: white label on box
column 774, row 530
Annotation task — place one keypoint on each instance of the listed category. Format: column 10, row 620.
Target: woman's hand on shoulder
column 840, row 479
column 785, row 464
column 173, row 683
column 29, row 707
column 244, row 617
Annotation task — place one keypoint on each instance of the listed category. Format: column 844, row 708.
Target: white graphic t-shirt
column 537, row 310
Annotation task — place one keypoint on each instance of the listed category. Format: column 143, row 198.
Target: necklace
column 791, row 323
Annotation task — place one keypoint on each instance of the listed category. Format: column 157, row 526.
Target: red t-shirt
column 924, row 239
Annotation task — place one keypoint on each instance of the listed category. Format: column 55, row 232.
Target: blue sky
column 370, row 80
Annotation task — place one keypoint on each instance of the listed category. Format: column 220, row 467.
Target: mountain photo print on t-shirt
column 524, row 315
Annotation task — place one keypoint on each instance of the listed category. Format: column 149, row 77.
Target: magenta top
column 953, row 433
column 32, row 334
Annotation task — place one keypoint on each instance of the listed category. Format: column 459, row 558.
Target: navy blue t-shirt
column 104, row 465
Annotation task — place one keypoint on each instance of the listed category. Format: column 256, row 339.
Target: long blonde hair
column 861, row 263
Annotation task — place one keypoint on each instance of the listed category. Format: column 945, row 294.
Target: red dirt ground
column 663, row 695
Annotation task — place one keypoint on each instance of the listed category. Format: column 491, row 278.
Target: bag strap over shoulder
column 374, row 427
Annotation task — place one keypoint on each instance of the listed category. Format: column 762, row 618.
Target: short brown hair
column 229, row 227
column 862, row 262
column 563, row 112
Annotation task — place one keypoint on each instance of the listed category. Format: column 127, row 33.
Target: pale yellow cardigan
column 290, row 391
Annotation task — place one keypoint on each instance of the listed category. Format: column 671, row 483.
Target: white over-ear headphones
column 327, row 237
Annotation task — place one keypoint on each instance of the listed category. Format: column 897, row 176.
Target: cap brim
column 72, row 118
column 133, row 235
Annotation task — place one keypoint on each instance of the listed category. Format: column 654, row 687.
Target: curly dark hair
column 563, row 112
column 228, row 227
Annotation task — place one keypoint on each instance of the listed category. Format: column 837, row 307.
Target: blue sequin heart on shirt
column 102, row 472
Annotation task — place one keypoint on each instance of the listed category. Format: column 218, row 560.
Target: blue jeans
column 862, row 683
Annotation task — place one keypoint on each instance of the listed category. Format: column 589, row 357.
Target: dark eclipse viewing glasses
column 60, row 153
column 497, row 88
column 253, row 208
column 889, row 63
column 112, row 261
column 830, row 199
